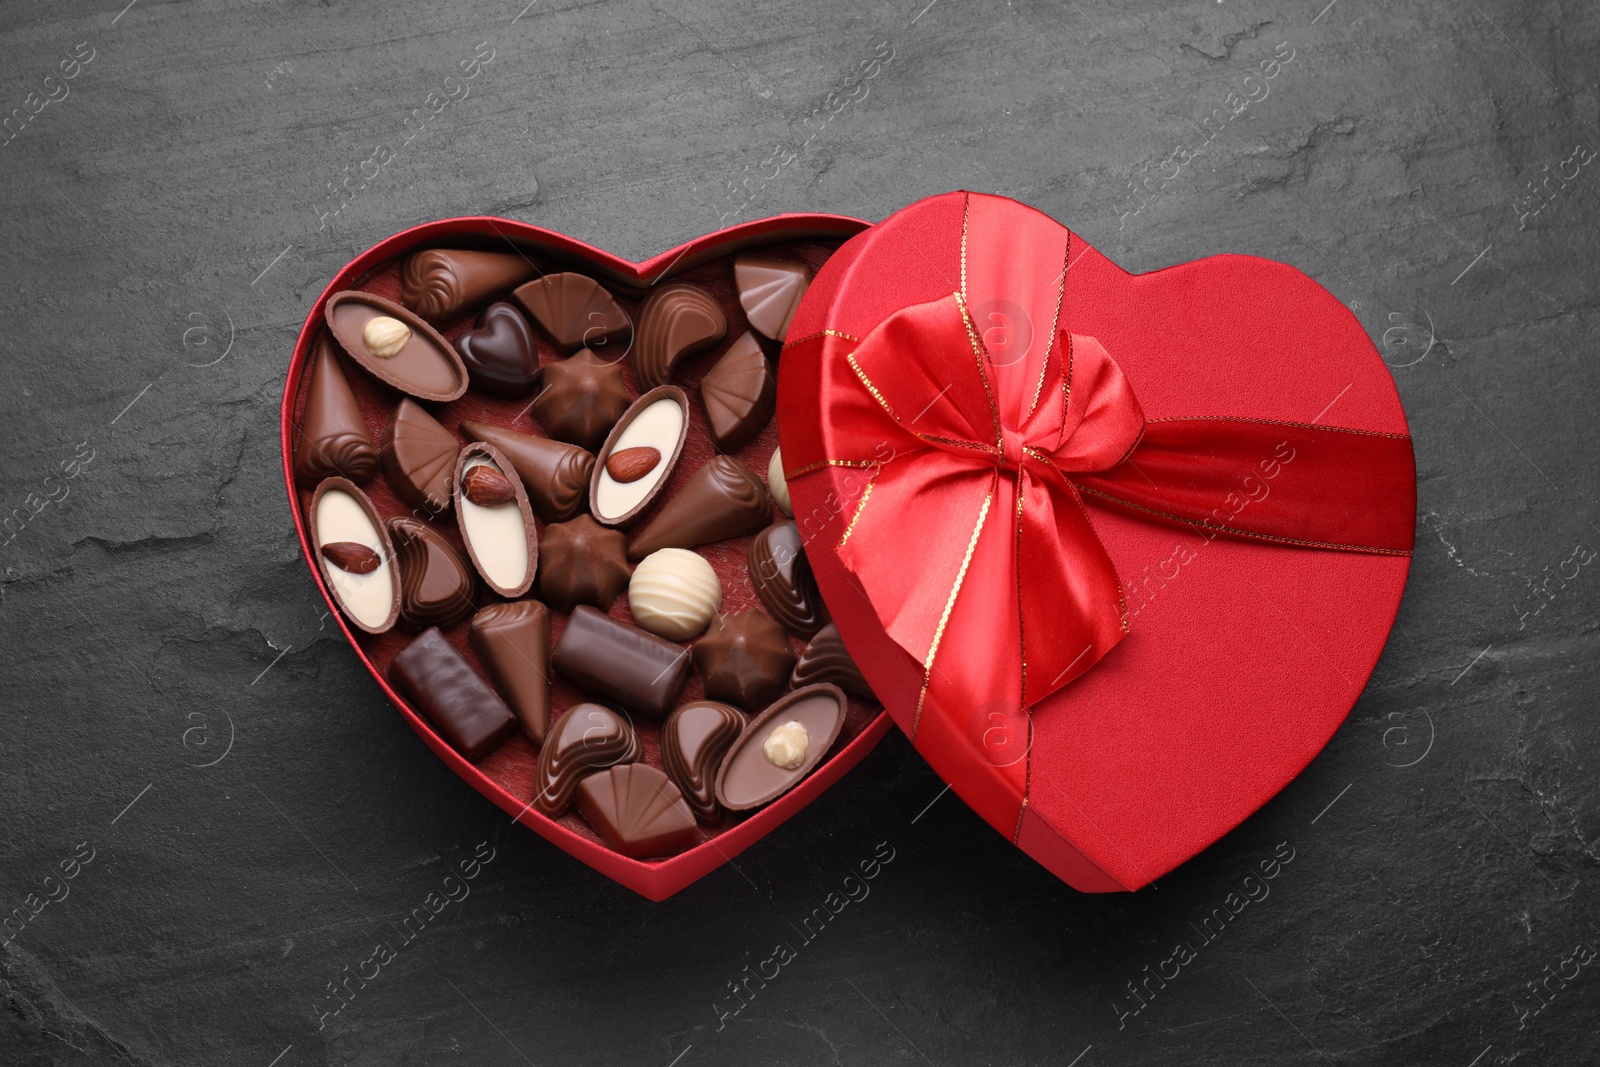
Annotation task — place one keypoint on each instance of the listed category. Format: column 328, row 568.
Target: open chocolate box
column 369, row 308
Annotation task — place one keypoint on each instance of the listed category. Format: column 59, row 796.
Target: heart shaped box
column 1241, row 657
column 506, row 776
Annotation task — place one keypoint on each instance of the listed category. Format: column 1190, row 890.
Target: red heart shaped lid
column 1117, row 551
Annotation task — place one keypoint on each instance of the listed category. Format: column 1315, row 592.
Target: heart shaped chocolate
column 499, row 352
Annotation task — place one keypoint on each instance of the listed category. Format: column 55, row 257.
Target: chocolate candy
column 395, row 345
column 780, row 747
column 331, row 439
column 637, row 811
column 770, row 292
column 777, row 484
column 694, row 739
column 674, row 593
column 676, row 320
column 439, row 283
column 658, row 420
column 554, row 473
column 495, row 520
column 451, row 695
column 783, row 580
column 418, row 457
column 826, row 659
column 724, row 499
column 513, row 641
column 499, row 352
column 582, row 562
column 586, row 738
column 739, row 393
column 580, row 399
column 745, row 659
column 611, row 659
column 436, row 584
column 342, row 515
column 574, row 310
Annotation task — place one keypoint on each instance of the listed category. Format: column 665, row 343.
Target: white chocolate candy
column 777, row 484
column 786, row 745
column 674, row 593
column 658, row 426
column 496, row 534
column 367, row 598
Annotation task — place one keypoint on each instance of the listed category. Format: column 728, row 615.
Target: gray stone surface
column 166, row 224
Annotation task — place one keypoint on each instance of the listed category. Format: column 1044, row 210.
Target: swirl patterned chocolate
column 440, row 283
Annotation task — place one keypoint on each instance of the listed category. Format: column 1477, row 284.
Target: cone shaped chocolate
column 555, row 473
column 513, row 641
column 724, row 499
column 332, row 440
column 441, row 283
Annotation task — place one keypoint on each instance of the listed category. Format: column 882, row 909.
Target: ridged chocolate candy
column 826, row 659
column 439, row 283
column 437, row 586
column 499, row 352
column 332, row 439
column 694, row 739
column 739, row 393
column 555, row 473
column 419, row 458
column 637, row 811
column 770, row 292
column 724, row 499
column 587, row 738
column 580, row 399
column 513, row 641
column 676, row 320
column 782, row 578
column 581, row 562
column 745, row 659
column 575, row 310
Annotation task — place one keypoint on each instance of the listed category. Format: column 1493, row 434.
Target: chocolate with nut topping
column 343, row 523
column 657, row 421
column 396, row 345
column 780, row 747
column 495, row 520
column 554, row 473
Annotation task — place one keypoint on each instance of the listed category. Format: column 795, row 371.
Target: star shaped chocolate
column 582, row 562
column 745, row 659
column 580, row 398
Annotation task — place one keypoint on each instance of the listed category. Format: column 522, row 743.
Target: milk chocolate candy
column 332, row 439
column 780, row 747
column 395, row 345
column 575, row 311
column 554, row 473
column 452, row 696
column 637, row 811
column 739, row 393
column 610, row 659
column 675, row 321
column 782, row 578
column 496, row 523
column 342, row 515
column 694, row 739
column 826, row 659
column 419, row 457
column 581, row 562
column 436, row 584
column 441, row 283
column 513, row 642
column 499, row 352
column 745, row 659
column 673, row 593
column 724, row 499
column 777, row 484
column 770, row 292
column 659, row 422
column 580, row 399
column 587, row 738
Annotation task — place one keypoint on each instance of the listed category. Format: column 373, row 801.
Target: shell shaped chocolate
column 781, row 576
column 676, row 320
column 426, row 365
column 826, row 659
column 419, row 456
column 575, row 310
column 438, row 283
column 587, row 738
column 770, row 291
column 739, row 393
column 637, row 811
column 437, row 585
column 694, row 739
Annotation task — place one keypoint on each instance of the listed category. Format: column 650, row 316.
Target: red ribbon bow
column 980, row 462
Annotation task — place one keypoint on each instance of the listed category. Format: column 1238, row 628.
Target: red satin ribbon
column 979, row 472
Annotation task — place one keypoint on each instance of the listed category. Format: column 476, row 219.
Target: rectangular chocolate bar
column 451, row 695
column 611, row 660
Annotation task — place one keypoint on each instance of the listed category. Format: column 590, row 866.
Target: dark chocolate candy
column 341, row 514
column 332, row 439
column 724, row 499
column 451, row 695
column 436, row 583
column 419, row 458
column 580, row 398
column 587, row 738
column 675, row 321
column 396, row 345
column 513, row 641
column 782, row 578
column 582, row 562
column 637, row 811
column 694, row 739
column 440, row 283
column 499, row 352
column 749, row 776
column 554, row 473
column 745, row 659
column 826, row 659
column 739, row 393
column 658, row 420
column 610, row 659
column 576, row 311
column 770, row 292
column 499, row 532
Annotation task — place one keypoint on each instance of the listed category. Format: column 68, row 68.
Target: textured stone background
column 165, row 227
